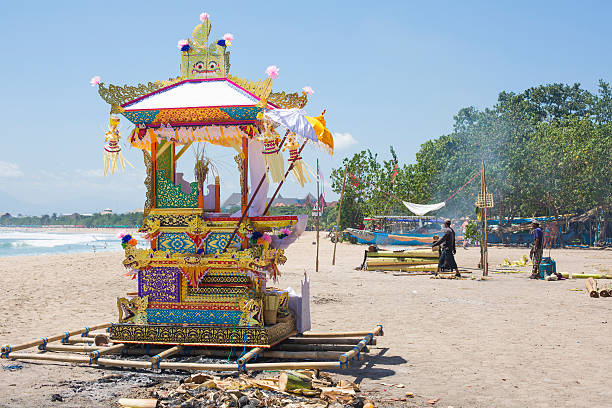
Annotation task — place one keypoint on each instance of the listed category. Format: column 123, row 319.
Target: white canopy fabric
column 205, row 93
column 422, row 209
column 294, row 120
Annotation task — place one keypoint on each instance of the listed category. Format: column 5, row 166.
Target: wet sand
column 504, row 342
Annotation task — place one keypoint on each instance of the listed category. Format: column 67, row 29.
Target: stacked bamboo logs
column 594, row 291
column 324, row 350
column 405, row 261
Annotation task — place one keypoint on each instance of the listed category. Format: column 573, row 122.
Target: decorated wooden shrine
column 205, row 280
column 205, row 277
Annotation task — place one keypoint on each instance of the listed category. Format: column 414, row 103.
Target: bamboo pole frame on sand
column 336, row 346
column 6, row 349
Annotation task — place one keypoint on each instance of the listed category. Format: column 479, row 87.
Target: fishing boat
column 399, row 230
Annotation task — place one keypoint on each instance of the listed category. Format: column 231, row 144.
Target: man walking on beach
column 448, row 249
column 536, row 250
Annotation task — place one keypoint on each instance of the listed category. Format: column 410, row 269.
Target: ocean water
column 15, row 242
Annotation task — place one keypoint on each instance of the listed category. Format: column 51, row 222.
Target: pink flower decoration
column 228, row 37
column 286, row 231
column 272, row 71
column 267, row 238
column 182, row 43
column 204, row 17
column 308, row 90
column 95, row 80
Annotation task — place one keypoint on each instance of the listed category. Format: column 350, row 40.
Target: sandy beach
column 504, row 342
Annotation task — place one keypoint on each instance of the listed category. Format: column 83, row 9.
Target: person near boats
column 447, row 249
column 536, row 249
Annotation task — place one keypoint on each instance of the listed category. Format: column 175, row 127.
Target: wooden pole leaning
column 105, row 350
column 166, row 353
column 6, row 349
column 245, row 212
column 319, row 211
column 486, row 250
column 355, row 351
column 338, row 217
column 254, row 352
column 281, row 183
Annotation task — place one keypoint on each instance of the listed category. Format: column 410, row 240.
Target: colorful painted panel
column 161, row 284
column 242, row 112
column 187, row 316
column 216, row 242
column 170, row 195
column 175, row 242
column 146, row 117
column 193, row 115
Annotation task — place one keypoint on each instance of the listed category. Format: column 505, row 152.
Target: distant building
column 106, row 211
column 5, row 215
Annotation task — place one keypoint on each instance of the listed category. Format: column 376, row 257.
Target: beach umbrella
column 313, row 128
column 325, row 137
column 294, row 120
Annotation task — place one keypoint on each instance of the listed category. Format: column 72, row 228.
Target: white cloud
column 10, row 170
column 91, row 173
column 343, row 140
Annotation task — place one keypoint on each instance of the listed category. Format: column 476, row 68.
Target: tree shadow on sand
column 368, row 368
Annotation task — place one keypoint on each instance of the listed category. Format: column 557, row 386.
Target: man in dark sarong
column 536, row 250
column 447, row 249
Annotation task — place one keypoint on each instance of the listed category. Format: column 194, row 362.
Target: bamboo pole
column 349, row 355
column 586, row 276
column 166, row 353
column 71, row 348
column 84, row 340
column 338, row 217
column 8, row 348
column 318, row 215
column 123, row 363
column 324, row 340
column 282, row 182
column 137, row 403
column 317, row 347
column 485, row 253
column 245, row 175
column 254, row 352
column 323, row 365
column 106, row 350
column 376, row 332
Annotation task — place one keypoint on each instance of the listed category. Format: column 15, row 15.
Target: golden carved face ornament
column 202, row 60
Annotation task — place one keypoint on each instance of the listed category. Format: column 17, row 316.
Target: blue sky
column 388, row 73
